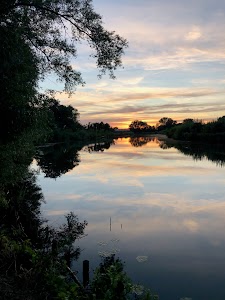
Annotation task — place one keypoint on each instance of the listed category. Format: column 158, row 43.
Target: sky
column 174, row 65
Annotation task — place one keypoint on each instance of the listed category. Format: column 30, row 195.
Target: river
column 143, row 197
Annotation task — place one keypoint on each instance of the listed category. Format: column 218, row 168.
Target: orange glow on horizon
column 154, row 122
column 125, row 124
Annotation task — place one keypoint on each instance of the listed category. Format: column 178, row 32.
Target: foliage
column 15, row 157
column 99, row 126
column 188, row 120
column 47, row 33
column 111, row 282
column 140, row 127
column 34, row 257
column 197, row 131
column 20, row 110
column 165, row 123
column 98, row 131
column 186, row 130
column 51, row 29
column 63, row 121
column 64, row 117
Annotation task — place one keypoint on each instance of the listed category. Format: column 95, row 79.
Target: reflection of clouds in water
column 115, row 240
column 172, row 210
column 162, row 205
column 109, row 252
column 142, row 258
column 191, row 225
column 216, row 243
column 156, row 154
column 125, row 169
column 102, row 243
column 143, row 213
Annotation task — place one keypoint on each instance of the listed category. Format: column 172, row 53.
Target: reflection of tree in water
column 140, row 141
column 163, row 144
column 98, row 147
column 33, row 255
column 212, row 152
column 57, row 159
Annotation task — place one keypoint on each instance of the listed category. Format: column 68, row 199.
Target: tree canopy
column 139, row 126
column 52, row 29
column 38, row 38
column 167, row 122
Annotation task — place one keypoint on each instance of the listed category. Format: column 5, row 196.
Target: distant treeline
column 143, row 127
column 194, row 130
column 188, row 130
column 65, row 124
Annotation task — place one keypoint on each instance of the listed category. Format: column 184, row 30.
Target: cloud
column 191, row 225
column 180, row 56
column 176, row 54
column 132, row 81
column 194, row 34
column 170, row 108
column 163, row 93
column 110, row 94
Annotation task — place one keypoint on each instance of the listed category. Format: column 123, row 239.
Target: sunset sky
column 174, row 66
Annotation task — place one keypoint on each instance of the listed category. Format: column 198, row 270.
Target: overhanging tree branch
column 66, row 17
column 40, row 22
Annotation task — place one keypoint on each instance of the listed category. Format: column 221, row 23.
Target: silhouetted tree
column 19, row 100
column 65, row 117
column 34, row 42
column 188, row 120
column 165, row 123
column 44, row 25
column 139, row 126
column 99, row 126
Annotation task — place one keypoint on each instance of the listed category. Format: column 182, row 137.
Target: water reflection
column 98, row 146
column 32, row 253
column 171, row 208
column 58, row 159
column 140, row 141
column 199, row 151
column 214, row 153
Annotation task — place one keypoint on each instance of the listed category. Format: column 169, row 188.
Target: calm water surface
column 162, row 204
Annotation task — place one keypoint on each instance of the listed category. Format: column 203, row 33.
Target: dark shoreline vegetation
column 188, row 130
